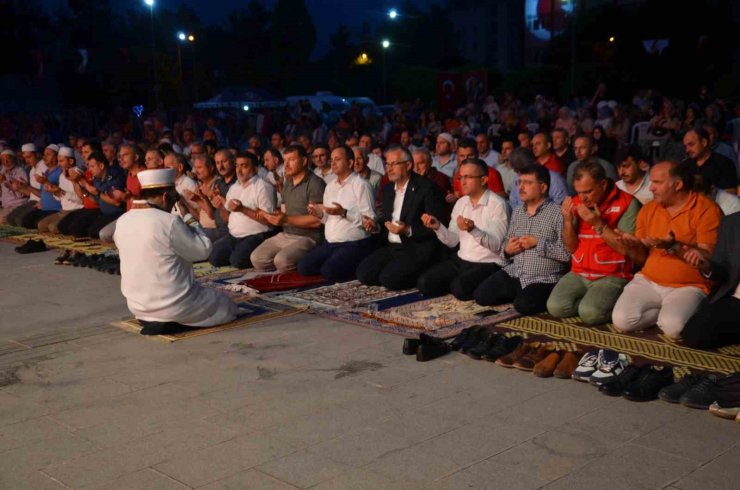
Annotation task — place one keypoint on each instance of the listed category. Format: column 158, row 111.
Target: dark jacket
column 726, row 257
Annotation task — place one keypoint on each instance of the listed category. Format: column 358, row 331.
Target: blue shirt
column 115, row 178
column 558, row 190
column 48, row 201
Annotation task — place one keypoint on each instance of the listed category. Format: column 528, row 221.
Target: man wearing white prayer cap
column 445, row 159
column 157, row 249
column 31, row 187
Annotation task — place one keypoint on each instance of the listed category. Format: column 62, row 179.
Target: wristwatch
column 599, row 229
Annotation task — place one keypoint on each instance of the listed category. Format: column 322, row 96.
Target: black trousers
column 391, row 266
column 31, row 220
column 456, row 276
column 714, row 325
column 229, row 250
column 501, row 288
column 87, row 224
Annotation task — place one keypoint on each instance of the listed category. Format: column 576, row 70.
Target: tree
column 293, row 38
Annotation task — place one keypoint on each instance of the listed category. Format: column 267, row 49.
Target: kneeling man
column 478, row 225
column 244, row 200
column 599, row 268
column 347, row 198
column 157, row 249
column 672, row 230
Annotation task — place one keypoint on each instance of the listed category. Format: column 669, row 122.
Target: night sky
column 327, row 14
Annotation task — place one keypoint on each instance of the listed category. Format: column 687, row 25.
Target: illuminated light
column 181, row 36
column 363, row 56
column 246, row 107
column 149, row 3
column 386, row 44
column 611, row 39
column 191, row 38
column 392, row 14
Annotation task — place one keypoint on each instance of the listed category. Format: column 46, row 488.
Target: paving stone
column 413, row 463
column 488, row 474
column 217, row 462
column 28, row 481
column 30, row 431
column 303, row 469
column 360, row 447
column 246, row 480
column 363, row 479
column 629, row 466
column 44, row 453
column 147, row 478
column 722, row 472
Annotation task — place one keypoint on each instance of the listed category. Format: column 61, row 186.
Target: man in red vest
column 600, row 265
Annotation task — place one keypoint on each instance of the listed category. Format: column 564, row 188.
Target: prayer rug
column 85, row 245
column 409, row 315
column 342, row 295
column 270, row 283
column 648, row 346
column 227, row 282
column 252, row 310
column 7, row 231
column 202, row 269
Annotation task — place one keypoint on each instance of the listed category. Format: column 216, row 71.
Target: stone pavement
column 304, row 402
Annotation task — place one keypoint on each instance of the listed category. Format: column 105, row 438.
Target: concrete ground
column 303, row 402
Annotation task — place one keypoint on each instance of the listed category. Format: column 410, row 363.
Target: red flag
column 449, row 91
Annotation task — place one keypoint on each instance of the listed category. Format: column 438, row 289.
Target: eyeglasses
column 468, row 177
column 397, row 163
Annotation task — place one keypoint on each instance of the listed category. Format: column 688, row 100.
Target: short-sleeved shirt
column 48, row 201
column 697, row 222
column 114, row 179
column 296, row 198
column 717, row 170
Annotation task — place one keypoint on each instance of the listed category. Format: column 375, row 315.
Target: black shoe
column 616, row 385
column 647, row 385
column 702, row 394
column 485, row 344
column 462, row 337
column 77, row 259
column 427, row 352
column 474, row 339
column 674, row 392
column 64, row 258
column 502, row 346
column 410, row 346
column 163, row 328
column 31, row 247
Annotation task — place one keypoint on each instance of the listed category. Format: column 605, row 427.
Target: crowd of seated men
column 632, row 242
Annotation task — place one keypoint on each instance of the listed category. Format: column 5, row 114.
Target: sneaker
column 730, row 413
column 611, row 364
column 502, row 346
column 31, row 246
column 647, row 385
column 588, row 365
column 616, row 385
column 673, row 393
column 702, row 394
column 62, row 258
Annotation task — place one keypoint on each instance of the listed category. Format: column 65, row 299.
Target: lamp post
column 155, row 81
column 393, row 14
column 385, row 44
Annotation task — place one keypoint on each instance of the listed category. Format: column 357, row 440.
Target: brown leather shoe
column 528, row 362
column 546, row 366
column 522, row 350
column 567, row 365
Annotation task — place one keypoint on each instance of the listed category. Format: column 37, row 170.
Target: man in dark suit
column 408, row 247
column 716, row 323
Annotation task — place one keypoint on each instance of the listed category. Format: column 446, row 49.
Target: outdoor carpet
column 202, row 269
column 7, row 231
column 84, row 245
column 410, row 314
column 287, row 281
column 648, row 346
column 342, row 295
column 252, row 310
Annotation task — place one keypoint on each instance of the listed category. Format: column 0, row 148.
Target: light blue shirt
column 558, row 190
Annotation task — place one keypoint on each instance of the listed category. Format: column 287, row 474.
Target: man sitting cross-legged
column 409, row 246
column 301, row 231
column 347, row 199
column 245, row 199
column 599, row 267
column 534, row 243
column 671, row 230
column 478, row 225
column 157, row 249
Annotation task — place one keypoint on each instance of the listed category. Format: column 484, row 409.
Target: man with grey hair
column 180, row 164
column 585, row 149
column 523, row 157
column 361, row 168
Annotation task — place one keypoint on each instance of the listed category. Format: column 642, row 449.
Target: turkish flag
column 449, row 91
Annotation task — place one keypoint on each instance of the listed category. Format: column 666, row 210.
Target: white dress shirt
column 483, row 243
column 491, row 158
column 396, row 215
column 157, row 250
column 328, row 177
column 70, row 200
column 38, row 169
column 255, row 193
column 355, row 195
column 374, row 162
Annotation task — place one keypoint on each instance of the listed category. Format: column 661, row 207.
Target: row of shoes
column 32, row 246
column 100, row 262
column 719, row 395
column 425, row 348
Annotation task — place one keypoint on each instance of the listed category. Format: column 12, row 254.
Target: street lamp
column 181, row 36
column 386, row 44
column 392, row 14
column 150, row 4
